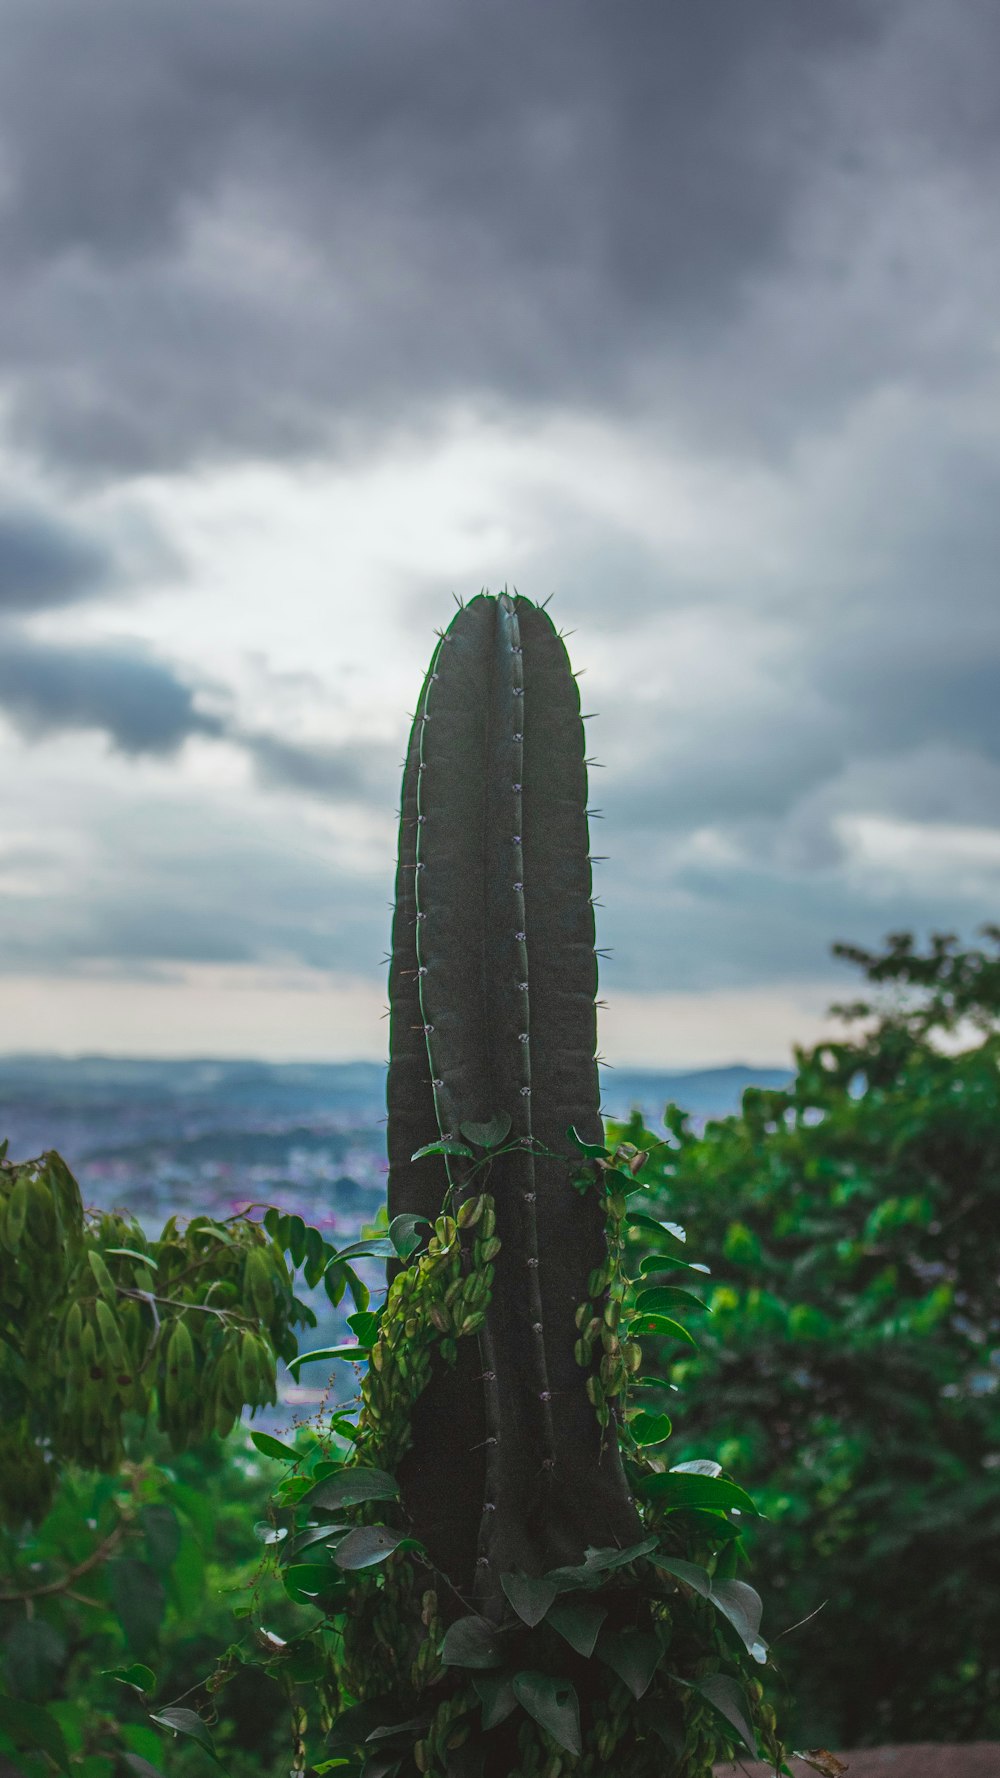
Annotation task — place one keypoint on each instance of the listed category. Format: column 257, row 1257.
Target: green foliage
column 848, row 1370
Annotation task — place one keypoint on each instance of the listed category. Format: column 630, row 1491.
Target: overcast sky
column 314, row 314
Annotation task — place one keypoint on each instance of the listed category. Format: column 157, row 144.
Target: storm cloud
column 685, row 314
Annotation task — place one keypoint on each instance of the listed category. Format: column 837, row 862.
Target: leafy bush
column 848, row 1372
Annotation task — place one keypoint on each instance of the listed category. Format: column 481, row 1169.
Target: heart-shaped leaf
column 442, row 1147
column 742, row 1606
column 140, row 1678
column 579, row 1621
column 497, row 1694
column 634, row 1655
column 554, row 1705
column 490, row 1134
column 638, row 1219
column 689, row 1572
column 728, row 1698
column 530, row 1597
column 403, row 1233
column 591, row 1149
column 697, row 1466
column 273, row 1447
column 671, row 1262
column 661, row 1298
column 659, row 1327
column 351, row 1485
column 364, row 1325
column 472, row 1642
column 185, row 1722
column 366, row 1546
column 677, row 1489
column 650, row 1429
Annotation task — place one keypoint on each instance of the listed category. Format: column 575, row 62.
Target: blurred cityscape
column 215, row 1138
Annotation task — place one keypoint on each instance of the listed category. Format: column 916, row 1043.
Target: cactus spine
column 492, row 989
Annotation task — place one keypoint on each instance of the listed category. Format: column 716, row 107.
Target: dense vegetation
column 849, row 1372
column 847, row 1377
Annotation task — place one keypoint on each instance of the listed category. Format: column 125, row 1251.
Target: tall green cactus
column 492, row 990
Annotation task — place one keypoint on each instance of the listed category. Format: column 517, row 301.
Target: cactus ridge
column 492, row 989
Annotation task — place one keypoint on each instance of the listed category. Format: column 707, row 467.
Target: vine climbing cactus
column 492, row 991
column 511, row 1580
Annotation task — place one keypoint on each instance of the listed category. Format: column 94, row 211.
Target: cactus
column 492, row 990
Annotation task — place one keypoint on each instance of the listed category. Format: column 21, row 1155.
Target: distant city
column 213, row 1137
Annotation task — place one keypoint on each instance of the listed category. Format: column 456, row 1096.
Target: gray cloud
column 138, row 701
column 307, row 227
column 45, row 563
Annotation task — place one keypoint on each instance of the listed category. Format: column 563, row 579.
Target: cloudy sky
column 313, row 315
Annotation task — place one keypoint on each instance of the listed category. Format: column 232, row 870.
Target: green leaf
column 313, row 1534
column 659, row 1327
column 662, row 1297
column 697, row 1466
column 162, row 1532
column 403, row 1233
column 634, row 1655
column 366, row 1546
column 677, row 1489
column 497, row 1695
column 358, row 1288
column 351, row 1485
column 364, row 1325
column 671, row 1262
column 185, row 1722
column 139, row 1600
column 140, row 1678
column 593, row 1150
column 530, row 1597
column 31, row 1727
column 554, row 1705
column 387, row 1731
column 379, row 1247
column 325, row 1352
column 579, row 1621
column 273, row 1447
column 143, row 1768
column 442, row 1147
column 689, row 1572
column 265, row 1533
column 742, row 1606
column 637, row 1219
column 35, row 1652
column 472, row 1642
column 728, row 1698
column 490, row 1134
column 650, row 1429
column 599, row 1562
column 145, row 1259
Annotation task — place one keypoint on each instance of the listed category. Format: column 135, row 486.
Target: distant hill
column 704, row 1092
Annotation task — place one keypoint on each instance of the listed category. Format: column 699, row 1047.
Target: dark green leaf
column 351, row 1485
column 35, row 1652
column 598, row 1563
column 697, row 1466
column 442, row 1147
column 659, row 1327
column 388, row 1731
column 273, row 1447
column 29, row 1726
column 638, row 1219
column 185, row 1722
column 364, row 1325
column 313, row 1534
column 671, row 1262
column 579, row 1621
column 554, row 1705
column 140, row 1678
column 650, row 1429
column 472, row 1642
column 497, row 1695
column 143, row 1768
column 676, row 1489
column 689, row 1572
column 162, row 1532
column 742, row 1606
column 144, row 1259
column 378, row 1247
column 634, row 1655
column 323, row 1353
column 530, row 1597
column 661, row 1298
column 139, row 1600
column 358, row 1288
column 366, row 1546
column 593, row 1150
column 488, row 1135
column 729, row 1700
column 403, row 1233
